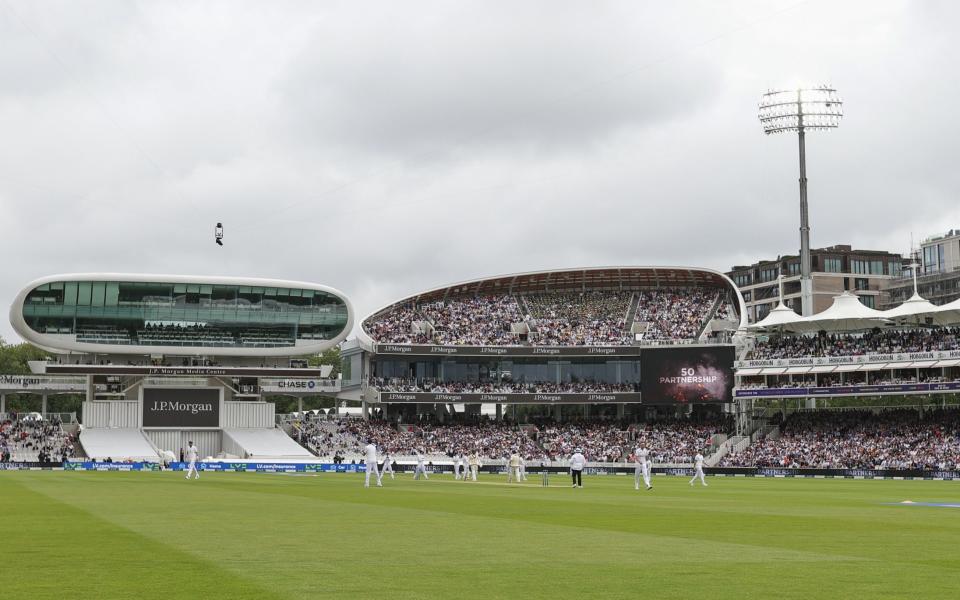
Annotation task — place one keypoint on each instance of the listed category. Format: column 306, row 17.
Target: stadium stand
column 670, row 442
column 479, row 321
column 30, row 440
column 553, row 319
column 858, row 439
column 585, row 319
column 873, row 342
column 675, row 314
column 323, row 438
column 491, row 440
column 876, row 378
column 395, row 384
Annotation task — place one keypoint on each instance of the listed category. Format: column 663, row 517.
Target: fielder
column 421, row 468
column 522, row 470
column 192, row 460
column 698, row 465
column 387, row 466
column 474, row 466
column 642, row 468
column 371, row 460
column 513, row 468
column 457, row 464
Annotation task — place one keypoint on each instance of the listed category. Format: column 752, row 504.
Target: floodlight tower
column 801, row 110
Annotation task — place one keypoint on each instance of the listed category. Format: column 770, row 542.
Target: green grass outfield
column 249, row 535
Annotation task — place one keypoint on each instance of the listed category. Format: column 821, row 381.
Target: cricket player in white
column 387, row 466
column 522, row 470
column 421, row 468
column 513, row 468
column 192, row 461
column 474, row 466
column 457, row 464
column 642, row 468
column 698, row 465
column 371, row 459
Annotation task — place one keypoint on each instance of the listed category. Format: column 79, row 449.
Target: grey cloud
column 468, row 75
column 394, row 147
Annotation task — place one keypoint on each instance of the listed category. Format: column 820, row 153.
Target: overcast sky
column 384, row 148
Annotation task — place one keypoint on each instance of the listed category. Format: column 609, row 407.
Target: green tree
column 330, row 357
column 14, row 357
column 288, row 404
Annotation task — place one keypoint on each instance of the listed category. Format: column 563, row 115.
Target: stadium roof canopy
column 781, row 317
column 846, row 313
column 951, row 311
column 573, row 280
column 918, row 311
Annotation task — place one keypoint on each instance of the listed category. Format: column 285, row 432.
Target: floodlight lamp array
column 802, row 109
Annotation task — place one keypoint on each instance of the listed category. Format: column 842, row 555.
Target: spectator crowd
column 394, row 384
column 552, row 319
column 584, row 319
column 876, row 378
column 872, row 342
column 34, row 440
column 858, row 439
column 675, row 314
column 599, row 440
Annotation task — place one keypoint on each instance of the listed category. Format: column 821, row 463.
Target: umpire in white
column 577, row 462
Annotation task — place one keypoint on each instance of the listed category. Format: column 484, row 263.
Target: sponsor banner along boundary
column 281, row 467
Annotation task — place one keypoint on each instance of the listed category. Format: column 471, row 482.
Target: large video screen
column 686, row 375
column 172, row 407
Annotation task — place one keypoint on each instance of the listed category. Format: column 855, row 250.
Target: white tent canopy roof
column 778, row 317
column 918, row 309
column 949, row 313
column 846, row 313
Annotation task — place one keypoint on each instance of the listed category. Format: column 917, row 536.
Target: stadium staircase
column 293, row 432
column 525, row 310
column 709, row 317
column 632, row 311
column 772, row 432
column 74, row 430
column 740, row 443
column 727, row 447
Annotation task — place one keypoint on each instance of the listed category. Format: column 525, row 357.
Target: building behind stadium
column 834, row 269
column 938, row 277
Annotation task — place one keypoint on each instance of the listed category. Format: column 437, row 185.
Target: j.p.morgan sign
column 181, row 407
